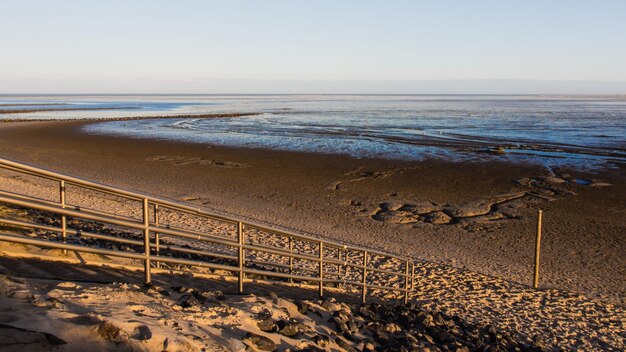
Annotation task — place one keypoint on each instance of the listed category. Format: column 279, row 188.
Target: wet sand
column 477, row 216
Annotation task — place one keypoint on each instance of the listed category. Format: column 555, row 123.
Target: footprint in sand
column 180, row 160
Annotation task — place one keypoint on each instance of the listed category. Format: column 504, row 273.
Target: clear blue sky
column 309, row 46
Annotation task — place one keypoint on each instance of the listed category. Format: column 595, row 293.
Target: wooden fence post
column 290, row 258
column 364, row 288
column 321, row 286
column 406, row 282
column 345, row 264
column 412, row 276
column 241, row 255
column 537, row 249
column 157, row 241
column 339, row 265
column 146, row 242
column 63, row 217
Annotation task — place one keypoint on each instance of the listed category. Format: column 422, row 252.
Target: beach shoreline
column 478, row 216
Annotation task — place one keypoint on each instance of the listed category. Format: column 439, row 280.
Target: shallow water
column 576, row 131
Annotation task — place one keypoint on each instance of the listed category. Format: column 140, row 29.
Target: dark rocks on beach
column 290, row 328
column 366, row 312
column 267, row 325
column 392, row 328
column 345, row 323
column 142, row 333
column 188, row 300
column 264, row 314
column 408, row 328
column 321, row 340
column 368, row 347
column 438, row 218
column 259, row 342
column 303, row 306
column 110, row 332
column 330, row 304
column 345, row 345
column 217, row 294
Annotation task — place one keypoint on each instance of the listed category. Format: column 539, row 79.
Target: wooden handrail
column 238, row 245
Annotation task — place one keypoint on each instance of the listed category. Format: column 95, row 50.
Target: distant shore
column 124, row 118
column 31, row 110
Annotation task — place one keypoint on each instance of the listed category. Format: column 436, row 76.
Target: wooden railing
column 162, row 237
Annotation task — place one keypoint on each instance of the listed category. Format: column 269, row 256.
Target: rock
column 402, row 343
column 345, row 345
column 342, row 328
column 382, row 215
column 199, row 296
column 265, row 314
column 290, row 328
column 218, row 295
column 385, row 206
column 439, row 218
column 180, row 289
column 392, row 328
column 491, row 330
column 353, row 326
column 428, row 339
column 405, row 319
column 403, row 217
column 340, row 317
column 109, row 332
column 303, row 306
column 441, row 336
column 330, row 305
column 188, row 300
column 321, row 340
column 428, row 320
column 267, row 325
column 142, row 333
column 380, row 335
column 438, row 319
column 21, row 294
column 259, row 342
column 369, row 347
column 367, row 313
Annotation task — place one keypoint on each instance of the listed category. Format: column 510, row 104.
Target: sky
column 316, row 46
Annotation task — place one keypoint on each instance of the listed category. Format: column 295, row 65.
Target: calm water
column 577, row 131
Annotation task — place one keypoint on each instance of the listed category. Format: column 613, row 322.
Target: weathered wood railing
column 234, row 248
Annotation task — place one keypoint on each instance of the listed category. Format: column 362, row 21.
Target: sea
column 583, row 132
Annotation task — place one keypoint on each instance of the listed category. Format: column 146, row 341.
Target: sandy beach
column 471, row 224
column 487, row 224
